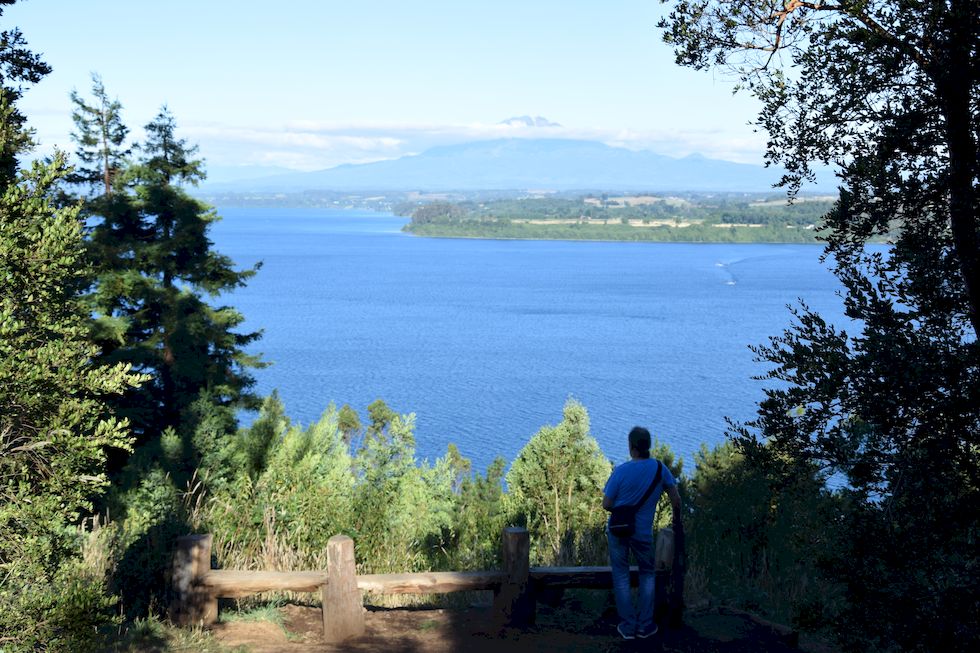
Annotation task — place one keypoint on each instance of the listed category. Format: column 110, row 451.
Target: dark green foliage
column 167, row 158
column 478, row 520
column 381, row 416
column 437, row 211
column 65, row 609
column 888, row 91
column 588, row 208
column 710, row 208
column 460, row 466
column 398, row 505
column 757, row 539
column 349, row 422
column 283, row 491
column 618, row 232
column 154, row 263
column 249, row 450
column 696, row 218
column 662, row 452
column 19, row 68
column 154, row 518
column 55, row 426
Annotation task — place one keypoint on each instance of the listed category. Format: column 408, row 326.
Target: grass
column 152, row 635
column 266, row 612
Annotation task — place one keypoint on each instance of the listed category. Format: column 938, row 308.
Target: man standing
column 627, row 486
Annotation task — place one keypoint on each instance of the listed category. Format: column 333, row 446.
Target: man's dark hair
column 640, row 440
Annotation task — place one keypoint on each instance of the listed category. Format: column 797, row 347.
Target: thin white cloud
column 309, row 145
column 296, row 138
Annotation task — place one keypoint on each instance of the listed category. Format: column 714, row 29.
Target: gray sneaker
column 625, row 632
column 649, row 631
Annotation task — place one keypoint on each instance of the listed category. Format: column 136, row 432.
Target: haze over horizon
column 314, row 85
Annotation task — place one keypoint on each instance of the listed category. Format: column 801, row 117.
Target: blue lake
column 484, row 340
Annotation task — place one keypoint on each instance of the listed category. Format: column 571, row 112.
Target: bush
column 72, row 610
column 758, row 540
column 401, row 510
column 54, row 424
column 283, row 491
column 555, row 488
column 479, row 519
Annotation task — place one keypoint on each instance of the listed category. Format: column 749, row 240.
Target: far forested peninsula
column 708, row 218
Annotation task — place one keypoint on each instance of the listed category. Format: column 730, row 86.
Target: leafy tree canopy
column 888, row 91
column 55, row 426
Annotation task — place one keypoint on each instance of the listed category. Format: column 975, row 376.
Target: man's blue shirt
column 629, row 482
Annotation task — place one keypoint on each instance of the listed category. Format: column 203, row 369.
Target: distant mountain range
column 522, row 163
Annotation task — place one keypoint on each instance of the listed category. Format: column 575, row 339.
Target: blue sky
column 310, row 84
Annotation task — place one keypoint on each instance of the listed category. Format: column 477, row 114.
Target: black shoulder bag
column 622, row 519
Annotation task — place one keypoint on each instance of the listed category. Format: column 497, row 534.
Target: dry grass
column 155, row 636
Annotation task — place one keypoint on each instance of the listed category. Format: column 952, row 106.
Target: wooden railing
column 516, row 587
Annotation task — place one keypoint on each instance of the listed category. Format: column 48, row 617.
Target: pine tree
column 18, row 67
column 101, row 136
column 155, row 264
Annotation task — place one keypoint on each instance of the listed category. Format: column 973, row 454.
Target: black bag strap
column 653, row 485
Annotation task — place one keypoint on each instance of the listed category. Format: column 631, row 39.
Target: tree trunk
column 106, row 179
column 955, row 82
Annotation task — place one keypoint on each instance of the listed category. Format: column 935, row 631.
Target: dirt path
column 570, row 627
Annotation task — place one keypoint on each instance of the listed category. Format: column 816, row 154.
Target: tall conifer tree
column 101, row 137
column 155, row 264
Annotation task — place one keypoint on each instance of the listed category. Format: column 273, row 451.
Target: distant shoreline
column 612, row 240
column 732, row 235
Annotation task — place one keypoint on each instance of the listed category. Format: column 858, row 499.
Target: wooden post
column 665, row 549
column 675, row 613
column 514, row 603
column 343, row 610
column 193, row 604
column 663, row 560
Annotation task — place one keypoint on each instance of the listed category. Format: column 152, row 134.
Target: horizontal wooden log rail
column 197, row 587
column 430, row 582
column 227, row 583
column 232, row 584
column 594, row 578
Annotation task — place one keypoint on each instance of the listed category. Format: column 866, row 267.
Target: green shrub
column 758, row 539
column 401, row 510
column 479, row 519
column 555, row 489
column 54, row 425
column 67, row 612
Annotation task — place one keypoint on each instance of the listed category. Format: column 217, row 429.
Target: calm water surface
column 484, row 340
